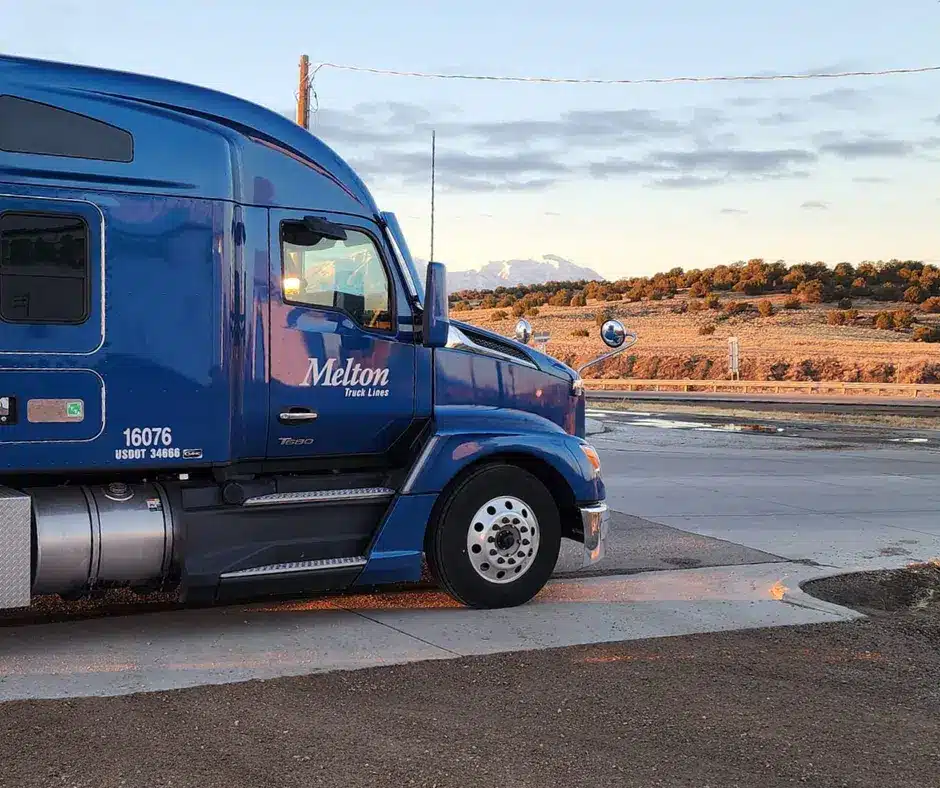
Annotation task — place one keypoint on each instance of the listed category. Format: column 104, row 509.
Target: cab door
column 342, row 368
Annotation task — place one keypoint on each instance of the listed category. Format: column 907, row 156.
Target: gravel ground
column 835, row 705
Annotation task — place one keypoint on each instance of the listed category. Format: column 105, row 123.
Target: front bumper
column 596, row 522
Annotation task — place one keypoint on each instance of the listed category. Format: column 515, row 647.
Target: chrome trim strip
column 458, row 340
column 104, row 404
column 420, row 463
column 321, row 496
column 297, row 566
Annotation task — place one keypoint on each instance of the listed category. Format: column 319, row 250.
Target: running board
column 322, row 496
column 297, row 566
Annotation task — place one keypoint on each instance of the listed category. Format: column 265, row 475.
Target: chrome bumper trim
column 596, row 521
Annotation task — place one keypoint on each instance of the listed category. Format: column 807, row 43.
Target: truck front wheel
column 496, row 538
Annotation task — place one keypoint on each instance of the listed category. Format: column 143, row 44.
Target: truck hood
column 545, row 363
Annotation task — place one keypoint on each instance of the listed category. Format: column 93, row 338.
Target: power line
column 640, row 81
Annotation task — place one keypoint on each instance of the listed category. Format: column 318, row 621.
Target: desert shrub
column 931, row 305
column 926, row 334
column 532, row 311
column 679, row 309
column 699, row 289
column 884, row 321
column 765, row 307
column 902, row 319
column 614, row 297
column 713, row 302
column 810, row 292
column 792, row 302
column 737, row 308
column 695, row 305
column 461, row 306
column 488, row 301
column 580, row 332
column 915, row 294
column 518, row 310
column 851, row 315
column 707, row 329
column 506, row 301
column 845, row 303
column 578, row 300
column 500, row 314
column 601, row 317
column 835, row 318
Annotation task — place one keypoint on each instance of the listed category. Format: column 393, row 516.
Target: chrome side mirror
column 523, row 331
column 613, row 333
column 615, row 336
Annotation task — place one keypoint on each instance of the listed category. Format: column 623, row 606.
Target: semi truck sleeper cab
column 221, row 370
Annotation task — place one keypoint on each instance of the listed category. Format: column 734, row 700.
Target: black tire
column 446, row 541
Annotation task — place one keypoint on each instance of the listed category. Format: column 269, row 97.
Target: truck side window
column 44, row 274
column 345, row 275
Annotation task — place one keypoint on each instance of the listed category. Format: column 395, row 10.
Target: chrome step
column 298, row 566
column 321, row 496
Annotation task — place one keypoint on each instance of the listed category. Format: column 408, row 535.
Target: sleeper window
column 345, row 275
column 43, row 268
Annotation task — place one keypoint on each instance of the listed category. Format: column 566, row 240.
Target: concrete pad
column 137, row 653
column 116, row 656
column 599, row 610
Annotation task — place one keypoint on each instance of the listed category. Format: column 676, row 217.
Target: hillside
column 874, row 323
column 510, row 273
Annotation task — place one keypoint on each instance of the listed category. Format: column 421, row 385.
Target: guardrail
column 913, row 390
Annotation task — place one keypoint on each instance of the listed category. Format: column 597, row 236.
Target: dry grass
column 788, row 345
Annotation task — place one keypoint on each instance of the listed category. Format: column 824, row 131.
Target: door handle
column 297, row 416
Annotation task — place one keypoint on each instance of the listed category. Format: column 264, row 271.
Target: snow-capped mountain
column 508, row 273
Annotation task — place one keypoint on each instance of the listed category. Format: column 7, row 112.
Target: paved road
column 754, row 515
column 842, row 503
column 795, row 403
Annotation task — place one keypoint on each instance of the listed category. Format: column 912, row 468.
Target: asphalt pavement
column 717, row 528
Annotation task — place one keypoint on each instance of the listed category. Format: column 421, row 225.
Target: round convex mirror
column 613, row 333
column 523, row 331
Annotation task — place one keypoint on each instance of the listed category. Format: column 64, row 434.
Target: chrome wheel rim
column 503, row 539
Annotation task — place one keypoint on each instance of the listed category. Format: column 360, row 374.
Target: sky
column 626, row 179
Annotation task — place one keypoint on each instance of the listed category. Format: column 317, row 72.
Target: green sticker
column 73, row 410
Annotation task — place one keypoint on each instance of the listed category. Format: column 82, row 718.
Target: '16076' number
column 148, row 436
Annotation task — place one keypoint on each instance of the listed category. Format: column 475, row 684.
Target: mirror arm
column 630, row 341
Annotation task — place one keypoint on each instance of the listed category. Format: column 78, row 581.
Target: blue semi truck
column 221, row 372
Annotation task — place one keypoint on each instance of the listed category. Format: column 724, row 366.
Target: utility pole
column 303, row 93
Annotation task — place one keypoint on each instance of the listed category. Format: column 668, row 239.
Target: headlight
column 591, row 453
column 577, row 387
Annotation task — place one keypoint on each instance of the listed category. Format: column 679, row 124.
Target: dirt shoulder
column 836, row 705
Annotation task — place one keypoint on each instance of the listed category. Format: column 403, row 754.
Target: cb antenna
column 433, row 162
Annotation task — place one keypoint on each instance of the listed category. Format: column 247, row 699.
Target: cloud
column 467, row 172
column 732, row 211
column 552, row 213
column 779, row 119
column 871, row 179
column 815, row 205
column 736, row 161
column 746, row 101
column 688, row 182
column 868, row 148
column 843, row 98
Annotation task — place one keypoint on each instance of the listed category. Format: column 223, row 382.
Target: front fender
column 468, row 434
